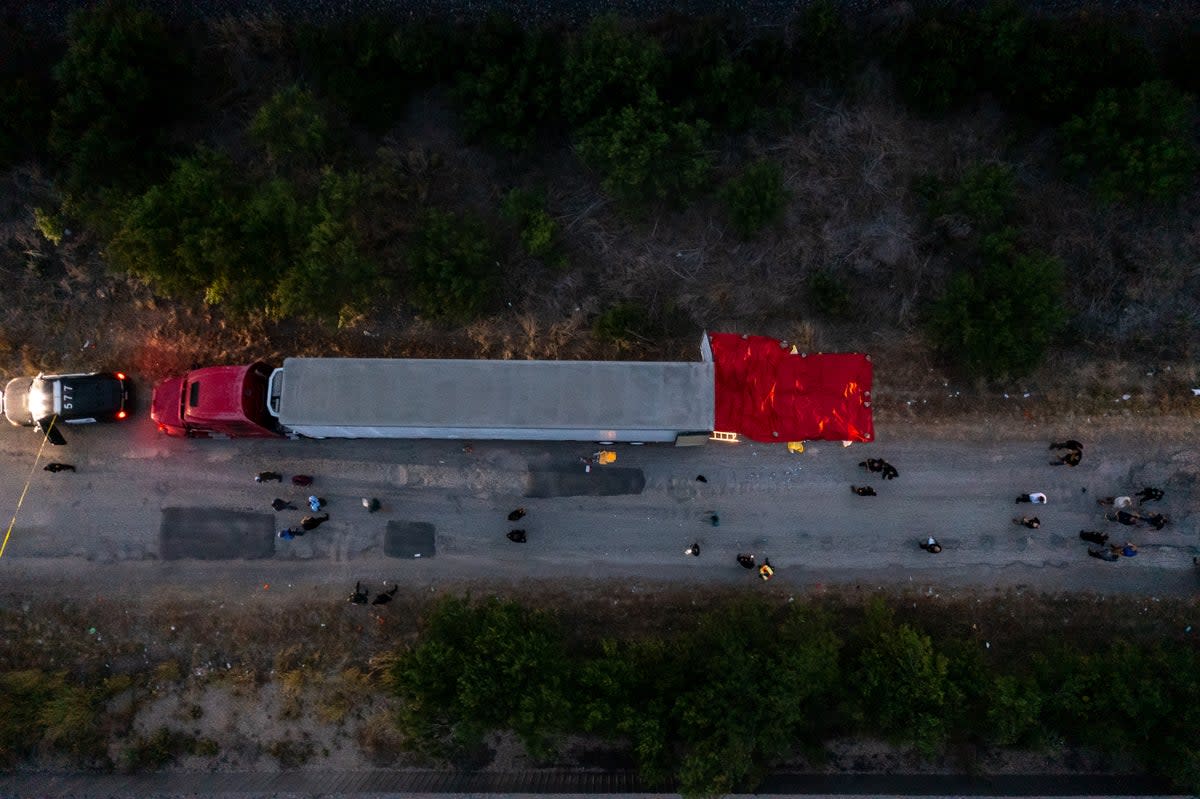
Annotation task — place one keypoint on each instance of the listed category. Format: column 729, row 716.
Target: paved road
column 103, row 526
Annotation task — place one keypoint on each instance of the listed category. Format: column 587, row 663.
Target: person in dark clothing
column 746, row 560
column 384, row 597
column 701, row 478
column 889, row 471
column 931, row 545
column 55, row 468
column 302, row 480
column 360, row 595
column 288, row 533
column 1094, row 537
column 873, row 465
column 1071, row 458
column 693, row 550
column 714, row 519
column 313, row 522
column 1070, row 443
column 268, row 477
column 1032, row 522
column 371, row 504
column 281, row 504
column 1150, row 494
column 864, row 491
column 516, row 515
column 517, row 536
column 1123, row 517
column 1155, row 520
column 1104, row 554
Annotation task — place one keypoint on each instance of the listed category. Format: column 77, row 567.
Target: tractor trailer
column 741, row 382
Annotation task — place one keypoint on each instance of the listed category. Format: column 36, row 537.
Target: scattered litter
column 1025, row 395
column 1196, row 392
column 1127, row 397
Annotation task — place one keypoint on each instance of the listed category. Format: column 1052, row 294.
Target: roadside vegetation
column 483, row 187
column 707, row 702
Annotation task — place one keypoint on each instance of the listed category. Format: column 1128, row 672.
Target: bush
column 121, row 81
column 828, row 295
column 935, row 60
column 624, row 324
column 1134, row 143
column 202, row 232
column 50, row 225
column 43, row 708
column 708, row 80
column 539, row 232
column 509, row 88
column 823, row 49
column 756, row 198
column 985, row 193
column 608, row 68
column 371, row 68
column 477, row 668
column 1053, row 68
column 901, row 682
column 290, row 127
column 332, row 278
column 452, row 271
column 26, row 93
column 163, row 747
column 647, row 152
column 997, row 320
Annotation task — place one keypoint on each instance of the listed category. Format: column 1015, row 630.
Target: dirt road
column 100, row 529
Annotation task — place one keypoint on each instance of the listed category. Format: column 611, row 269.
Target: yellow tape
column 25, row 490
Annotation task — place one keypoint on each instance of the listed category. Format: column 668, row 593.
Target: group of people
column 362, row 596
column 1123, row 509
column 315, row 504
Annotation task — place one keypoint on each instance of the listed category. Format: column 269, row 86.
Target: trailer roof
column 506, row 395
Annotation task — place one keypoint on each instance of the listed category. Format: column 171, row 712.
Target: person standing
column 371, row 504
column 745, row 560
column 282, row 504
column 864, row 491
column 316, row 503
column 516, row 515
column 517, row 536
column 1150, row 494
column 931, row 545
column 693, row 550
column 765, row 571
column 1036, row 497
column 1032, row 522
column 268, row 477
column 55, row 468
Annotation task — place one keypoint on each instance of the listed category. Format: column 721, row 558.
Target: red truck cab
column 215, row 401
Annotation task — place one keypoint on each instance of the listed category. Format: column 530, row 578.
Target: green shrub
column 624, row 324
column 997, row 320
column 1014, row 711
column 120, row 82
column 496, row 665
column 935, row 59
column 163, row 747
column 646, row 152
column 40, row 708
column 26, row 92
column 539, row 232
column 452, row 271
column 730, row 88
column 901, row 682
column 50, row 225
column 985, row 193
column 827, row 295
column 608, row 68
column 371, row 67
column 1053, row 68
column 332, row 278
column 249, row 248
column 823, row 47
column 290, row 127
column 1134, row 143
column 756, row 198
column 508, row 90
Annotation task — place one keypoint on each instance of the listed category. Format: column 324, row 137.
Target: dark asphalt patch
column 409, row 540
column 207, row 534
column 573, row 481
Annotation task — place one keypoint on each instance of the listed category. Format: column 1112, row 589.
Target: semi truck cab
column 229, row 401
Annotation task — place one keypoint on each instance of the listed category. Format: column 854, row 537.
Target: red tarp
column 767, row 394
